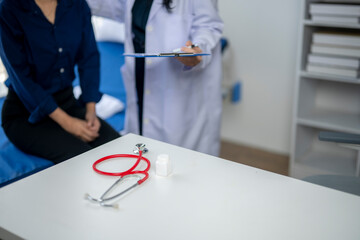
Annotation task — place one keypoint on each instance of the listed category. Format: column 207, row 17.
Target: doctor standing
column 175, row 100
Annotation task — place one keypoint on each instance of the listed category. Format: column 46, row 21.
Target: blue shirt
column 40, row 56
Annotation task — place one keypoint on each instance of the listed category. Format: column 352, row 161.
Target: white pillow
column 106, row 107
column 108, row 30
column 3, row 90
column 3, row 77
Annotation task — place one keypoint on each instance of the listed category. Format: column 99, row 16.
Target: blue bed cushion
column 15, row 164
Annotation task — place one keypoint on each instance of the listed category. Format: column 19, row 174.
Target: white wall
column 262, row 54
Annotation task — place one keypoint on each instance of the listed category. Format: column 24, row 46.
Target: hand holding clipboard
column 190, row 55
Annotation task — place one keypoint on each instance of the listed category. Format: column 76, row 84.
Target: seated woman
column 41, row 41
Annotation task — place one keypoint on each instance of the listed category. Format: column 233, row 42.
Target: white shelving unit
column 323, row 103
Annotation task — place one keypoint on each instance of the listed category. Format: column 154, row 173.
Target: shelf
column 315, row 157
column 332, row 25
column 331, row 120
column 330, row 77
column 328, row 163
column 342, row 1
column 317, row 163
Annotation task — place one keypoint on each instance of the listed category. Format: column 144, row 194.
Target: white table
column 205, row 198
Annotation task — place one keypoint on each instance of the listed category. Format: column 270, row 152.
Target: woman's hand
column 74, row 126
column 93, row 122
column 190, row 61
column 80, row 129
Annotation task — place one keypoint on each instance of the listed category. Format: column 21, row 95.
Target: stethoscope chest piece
column 140, row 147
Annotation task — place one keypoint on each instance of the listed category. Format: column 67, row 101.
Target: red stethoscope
column 130, row 173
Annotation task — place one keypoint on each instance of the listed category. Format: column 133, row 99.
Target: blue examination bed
column 15, row 164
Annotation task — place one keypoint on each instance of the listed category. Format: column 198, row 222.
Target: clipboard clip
column 176, row 54
column 171, row 54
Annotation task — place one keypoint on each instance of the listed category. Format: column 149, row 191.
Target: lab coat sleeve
column 207, row 27
column 36, row 100
column 113, row 9
column 88, row 61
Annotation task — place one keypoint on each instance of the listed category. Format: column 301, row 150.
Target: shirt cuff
column 87, row 97
column 47, row 106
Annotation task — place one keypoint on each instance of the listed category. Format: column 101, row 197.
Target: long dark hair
column 167, row 4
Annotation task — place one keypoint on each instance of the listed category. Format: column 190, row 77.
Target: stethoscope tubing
column 123, row 175
column 130, row 171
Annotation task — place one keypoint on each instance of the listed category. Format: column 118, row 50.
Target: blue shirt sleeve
column 88, row 60
column 38, row 102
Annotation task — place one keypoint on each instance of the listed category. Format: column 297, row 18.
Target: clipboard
column 171, row 54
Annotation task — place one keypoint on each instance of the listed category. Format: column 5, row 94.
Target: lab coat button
column 147, row 92
column 62, row 70
column 150, row 28
column 146, row 121
column 148, row 61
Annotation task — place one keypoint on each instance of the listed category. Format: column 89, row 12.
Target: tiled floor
column 256, row 158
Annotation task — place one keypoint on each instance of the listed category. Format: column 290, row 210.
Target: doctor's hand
column 190, row 61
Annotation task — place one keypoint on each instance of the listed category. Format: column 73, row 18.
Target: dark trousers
column 46, row 138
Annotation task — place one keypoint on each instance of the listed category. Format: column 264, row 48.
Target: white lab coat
column 181, row 106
